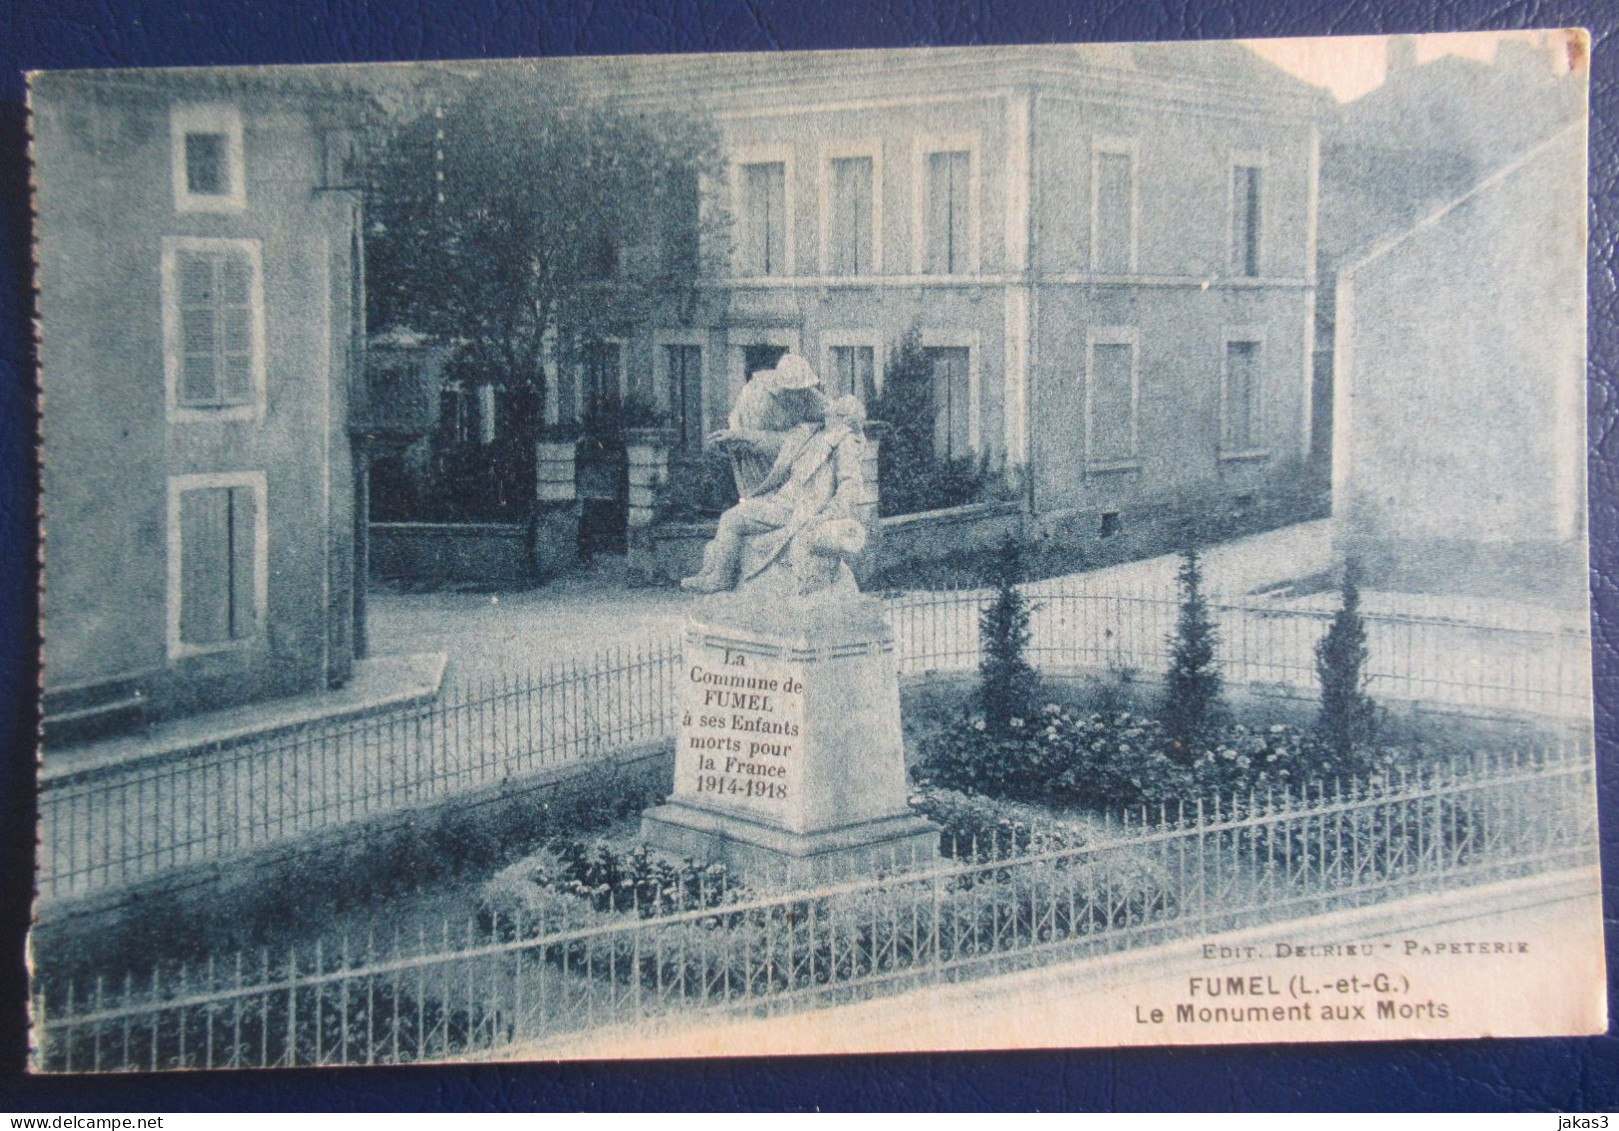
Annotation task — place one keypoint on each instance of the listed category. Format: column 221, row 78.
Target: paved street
column 577, row 617
column 592, row 609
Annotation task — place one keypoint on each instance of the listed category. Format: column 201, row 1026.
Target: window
column 682, row 223
column 217, row 559
column 1110, row 398
column 851, row 370
column 850, row 224
column 1113, row 218
column 207, row 159
column 458, row 414
column 600, row 375
column 757, row 357
column 1247, row 215
column 1238, row 426
column 763, row 245
column 952, row 400
column 206, row 172
column 684, row 365
column 949, row 211
column 213, row 327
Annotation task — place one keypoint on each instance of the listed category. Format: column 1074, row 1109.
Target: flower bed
column 1067, row 758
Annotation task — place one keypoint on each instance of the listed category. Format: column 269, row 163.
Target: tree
column 1008, row 687
column 527, row 222
column 911, row 476
column 1192, row 709
column 1347, row 714
column 906, row 405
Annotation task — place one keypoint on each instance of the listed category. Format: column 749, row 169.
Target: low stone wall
column 931, row 536
column 493, row 553
column 671, row 551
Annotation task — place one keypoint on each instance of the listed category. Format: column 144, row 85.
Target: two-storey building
column 200, row 325
column 1108, row 252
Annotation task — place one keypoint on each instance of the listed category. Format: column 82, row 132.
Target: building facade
column 1494, row 500
column 1108, row 254
column 200, row 330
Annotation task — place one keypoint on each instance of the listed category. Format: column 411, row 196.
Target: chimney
column 1401, row 54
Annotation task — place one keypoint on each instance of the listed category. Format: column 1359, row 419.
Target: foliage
column 700, row 486
column 975, row 827
column 1008, row 686
column 1109, row 760
column 524, row 216
column 911, row 476
column 611, row 419
column 600, row 878
column 1347, row 716
column 386, row 863
column 1191, row 709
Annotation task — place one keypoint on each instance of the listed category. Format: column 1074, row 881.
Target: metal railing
column 1194, row 870
column 1493, row 663
column 114, row 825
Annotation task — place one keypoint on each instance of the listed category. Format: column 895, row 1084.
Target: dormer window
column 207, row 145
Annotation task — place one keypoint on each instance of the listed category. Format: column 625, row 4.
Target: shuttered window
column 951, row 400
column 1238, row 430
column 851, row 213
column 1247, row 216
column 218, row 528
column 599, row 372
column 1115, row 191
column 1110, row 403
column 948, row 213
column 853, row 372
column 685, row 367
column 214, row 302
column 763, row 243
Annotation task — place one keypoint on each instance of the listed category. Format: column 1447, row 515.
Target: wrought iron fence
column 1490, row 660
column 1195, row 870
column 117, row 824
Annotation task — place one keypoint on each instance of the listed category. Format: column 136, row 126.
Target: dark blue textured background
column 1552, row 1074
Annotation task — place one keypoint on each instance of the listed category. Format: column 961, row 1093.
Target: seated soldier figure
column 802, row 516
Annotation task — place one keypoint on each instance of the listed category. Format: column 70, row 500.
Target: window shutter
column 199, row 380
column 1113, row 213
column 950, row 400
column 851, row 215
column 1110, row 407
column 205, row 566
column 1241, row 372
column 217, row 331
column 243, row 561
column 948, row 206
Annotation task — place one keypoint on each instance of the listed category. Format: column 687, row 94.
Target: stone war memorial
column 789, row 760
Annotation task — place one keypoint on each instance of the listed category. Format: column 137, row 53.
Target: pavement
column 384, row 683
column 578, row 617
column 593, row 609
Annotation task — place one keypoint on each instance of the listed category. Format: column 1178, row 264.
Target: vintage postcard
column 905, row 550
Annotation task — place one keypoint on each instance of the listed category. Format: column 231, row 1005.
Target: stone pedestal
column 789, row 762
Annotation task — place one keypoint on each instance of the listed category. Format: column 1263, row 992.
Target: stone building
column 200, row 330
column 1108, row 252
